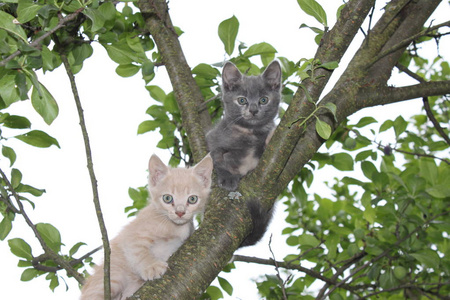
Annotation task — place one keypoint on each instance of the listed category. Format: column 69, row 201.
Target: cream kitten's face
column 180, row 193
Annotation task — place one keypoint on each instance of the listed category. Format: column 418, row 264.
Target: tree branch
column 187, row 93
column 37, row 41
column 404, row 43
column 90, row 166
column 47, row 250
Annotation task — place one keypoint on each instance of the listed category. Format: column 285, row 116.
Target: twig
column 36, row 42
column 426, row 104
column 48, row 251
column 90, row 166
column 37, row 261
column 406, row 42
column 282, row 283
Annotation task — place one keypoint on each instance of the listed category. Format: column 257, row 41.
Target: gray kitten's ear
column 157, row 169
column 204, row 169
column 272, row 75
column 230, row 75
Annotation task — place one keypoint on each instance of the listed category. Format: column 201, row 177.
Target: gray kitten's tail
column 260, row 218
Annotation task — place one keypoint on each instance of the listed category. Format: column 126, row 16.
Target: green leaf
column 331, row 65
column 107, row 10
column 50, row 235
column 214, row 293
column 9, row 153
column 44, row 104
column 54, row 282
column 27, row 10
column 228, row 30
column 9, row 23
column 8, row 91
column 5, row 227
column 156, row 93
column 16, row 178
column 365, row 121
column 314, row 9
column 147, row 126
column 38, row 138
column 81, row 53
column 127, row 70
column 400, row 126
column 308, row 240
column 332, row 108
column 428, row 258
column 225, row 285
column 206, row 71
column 368, row 169
column 439, row 191
column 29, row 274
column 20, row 248
column 17, row 122
column 25, row 188
column 428, row 170
column 96, row 17
column 75, row 248
column 323, row 129
column 342, row 161
column 388, row 280
column 260, row 49
column 386, row 125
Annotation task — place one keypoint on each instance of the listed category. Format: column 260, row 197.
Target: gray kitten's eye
column 167, row 199
column 192, row 199
column 242, row 100
column 263, row 100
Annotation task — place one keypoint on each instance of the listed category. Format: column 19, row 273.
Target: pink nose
column 180, row 213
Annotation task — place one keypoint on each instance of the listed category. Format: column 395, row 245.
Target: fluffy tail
column 260, row 218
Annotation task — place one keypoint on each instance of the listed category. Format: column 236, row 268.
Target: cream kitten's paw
column 155, row 270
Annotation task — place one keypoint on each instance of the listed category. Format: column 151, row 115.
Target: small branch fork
column 49, row 253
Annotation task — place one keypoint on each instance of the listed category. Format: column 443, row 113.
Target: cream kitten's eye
column 192, row 199
column 167, row 199
column 263, row 100
column 242, row 100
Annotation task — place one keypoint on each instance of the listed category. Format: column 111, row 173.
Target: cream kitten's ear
column 204, row 169
column 157, row 169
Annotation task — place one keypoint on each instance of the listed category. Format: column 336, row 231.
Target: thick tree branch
column 187, row 93
column 90, row 166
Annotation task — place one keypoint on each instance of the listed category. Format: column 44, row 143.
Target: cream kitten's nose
column 180, row 213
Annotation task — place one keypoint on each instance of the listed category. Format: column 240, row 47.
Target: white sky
column 114, row 107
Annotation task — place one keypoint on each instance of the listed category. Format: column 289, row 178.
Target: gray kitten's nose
column 253, row 109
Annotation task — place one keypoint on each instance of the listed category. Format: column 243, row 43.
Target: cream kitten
column 141, row 250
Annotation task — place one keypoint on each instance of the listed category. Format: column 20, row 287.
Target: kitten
column 141, row 250
column 250, row 106
column 237, row 142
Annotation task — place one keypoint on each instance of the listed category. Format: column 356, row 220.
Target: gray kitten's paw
column 155, row 270
column 230, row 183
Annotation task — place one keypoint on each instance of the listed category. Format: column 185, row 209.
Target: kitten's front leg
column 141, row 259
column 227, row 180
column 154, row 270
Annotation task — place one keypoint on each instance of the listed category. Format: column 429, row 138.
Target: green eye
column 264, row 100
column 192, row 199
column 242, row 100
column 167, row 199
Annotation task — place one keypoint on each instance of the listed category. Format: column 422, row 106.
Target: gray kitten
column 250, row 107
column 239, row 139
